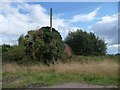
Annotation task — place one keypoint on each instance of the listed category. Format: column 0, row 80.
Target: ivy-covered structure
column 43, row 45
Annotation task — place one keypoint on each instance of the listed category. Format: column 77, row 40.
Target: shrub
column 15, row 54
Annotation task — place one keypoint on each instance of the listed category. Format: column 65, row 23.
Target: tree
column 84, row 43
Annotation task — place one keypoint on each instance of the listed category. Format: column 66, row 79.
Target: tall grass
column 97, row 72
column 99, row 68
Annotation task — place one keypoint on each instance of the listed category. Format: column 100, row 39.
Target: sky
column 101, row 18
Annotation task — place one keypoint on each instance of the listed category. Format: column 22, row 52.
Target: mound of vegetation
column 38, row 45
column 84, row 43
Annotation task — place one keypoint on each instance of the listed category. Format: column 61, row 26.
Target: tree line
column 46, row 47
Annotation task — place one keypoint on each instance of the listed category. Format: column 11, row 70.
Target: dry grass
column 101, row 68
column 13, row 67
column 102, row 72
column 104, row 68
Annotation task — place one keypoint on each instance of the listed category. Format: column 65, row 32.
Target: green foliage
column 84, row 43
column 14, row 54
column 21, row 40
column 38, row 45
column 43, row 45
column 6, row 48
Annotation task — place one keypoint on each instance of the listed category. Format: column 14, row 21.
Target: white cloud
column 107, row 28
column 113, row 48
column 85, row 17
column 115, row 45
column 18, row 18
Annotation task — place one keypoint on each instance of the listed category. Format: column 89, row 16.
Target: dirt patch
column 80, row 85
column 68, row 85
column 36, row 85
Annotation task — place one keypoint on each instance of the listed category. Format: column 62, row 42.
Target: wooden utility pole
column 51, row 19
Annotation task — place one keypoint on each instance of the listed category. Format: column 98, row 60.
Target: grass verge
column 104, row 72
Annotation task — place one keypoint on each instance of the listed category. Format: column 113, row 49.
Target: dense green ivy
column 43, row 45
